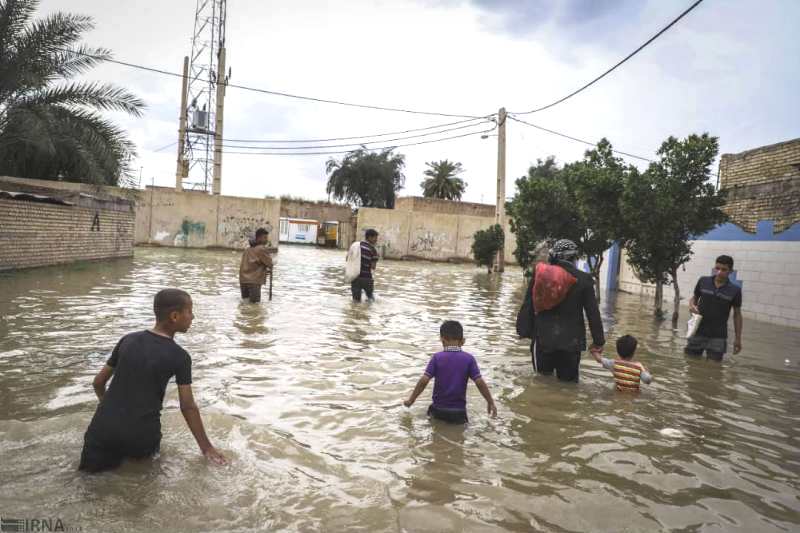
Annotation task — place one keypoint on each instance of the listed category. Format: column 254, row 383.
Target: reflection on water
column 305, row 394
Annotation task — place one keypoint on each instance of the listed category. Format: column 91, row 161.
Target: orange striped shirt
column 627, row 375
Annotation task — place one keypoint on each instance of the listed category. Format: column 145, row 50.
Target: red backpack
column 551, row 286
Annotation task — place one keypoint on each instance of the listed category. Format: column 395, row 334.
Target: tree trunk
column 598, row 263
column 659, row 312
column 676, row 304
column 596, row 285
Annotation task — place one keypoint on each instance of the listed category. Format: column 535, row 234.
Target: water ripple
column 304, row 394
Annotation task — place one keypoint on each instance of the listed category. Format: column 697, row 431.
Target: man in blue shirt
column 713, row 298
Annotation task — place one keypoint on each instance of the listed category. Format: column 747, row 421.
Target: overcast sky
column 729, row 68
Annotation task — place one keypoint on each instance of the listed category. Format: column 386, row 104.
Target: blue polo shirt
column 715, row 306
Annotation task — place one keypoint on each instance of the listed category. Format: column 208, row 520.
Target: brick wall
column 763, row 184
column 37, row 234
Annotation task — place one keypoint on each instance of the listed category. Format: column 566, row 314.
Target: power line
column 386, row 134
column 576, row 139
column 392, row 147
column 166, row 146
column 274, row 93
column 323, row 146
column 609, row 71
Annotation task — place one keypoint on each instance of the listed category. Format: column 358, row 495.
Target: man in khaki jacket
column 256, row 263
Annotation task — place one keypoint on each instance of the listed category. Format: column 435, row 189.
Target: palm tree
column 442, row 181
column 50, row 127
column 366, row 178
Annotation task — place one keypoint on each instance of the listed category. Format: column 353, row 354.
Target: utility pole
column 500, row 208
column 180, row 169
column 222, row 82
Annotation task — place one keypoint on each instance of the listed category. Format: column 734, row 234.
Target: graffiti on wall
column 424, row 243
column 236, row 231
column 188, row 230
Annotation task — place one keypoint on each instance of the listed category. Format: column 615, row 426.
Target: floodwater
column 304, row 395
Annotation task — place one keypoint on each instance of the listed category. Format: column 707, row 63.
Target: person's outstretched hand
column 408, row 403
column 215, row 457
column 491, row 409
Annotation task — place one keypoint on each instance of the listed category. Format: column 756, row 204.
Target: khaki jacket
column 256, row 262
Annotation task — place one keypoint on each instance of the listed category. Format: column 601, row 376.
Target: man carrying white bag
column 362, row 258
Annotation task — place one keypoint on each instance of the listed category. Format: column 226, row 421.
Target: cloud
column 592, row 20
column 727, row 68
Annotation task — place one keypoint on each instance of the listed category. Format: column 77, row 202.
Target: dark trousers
column 105, row 445
column 714, row 347
column 565, row 363
column 453, row 416
column 362, row 284
column 251, row 291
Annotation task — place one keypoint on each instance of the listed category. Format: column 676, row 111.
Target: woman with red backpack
column 552, row 314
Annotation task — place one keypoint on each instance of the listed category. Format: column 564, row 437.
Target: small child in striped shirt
column 627, row 373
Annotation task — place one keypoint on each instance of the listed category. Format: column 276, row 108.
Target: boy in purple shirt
column 451, row 369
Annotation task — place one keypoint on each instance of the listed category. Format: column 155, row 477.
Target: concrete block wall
column 768, row 271
column 435, row 205
column 321, row 211
column 37, row 234
column 190, row 219
column 424, row 235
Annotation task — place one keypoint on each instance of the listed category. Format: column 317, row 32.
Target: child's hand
column 215, row 457
column 408, row 403
column 491, row 409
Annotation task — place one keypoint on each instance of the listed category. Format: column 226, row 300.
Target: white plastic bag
column 693, row 324
column 352, row 266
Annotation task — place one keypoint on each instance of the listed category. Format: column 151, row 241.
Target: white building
column 298, row 230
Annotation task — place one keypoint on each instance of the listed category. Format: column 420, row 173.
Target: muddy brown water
column 305, row 393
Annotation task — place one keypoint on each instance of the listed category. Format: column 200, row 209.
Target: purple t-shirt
column 451, row 369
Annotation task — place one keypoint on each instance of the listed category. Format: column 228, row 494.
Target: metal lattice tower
column 208, row 41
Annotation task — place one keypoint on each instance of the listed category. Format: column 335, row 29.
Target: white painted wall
column 301, row 231
column 769, row 272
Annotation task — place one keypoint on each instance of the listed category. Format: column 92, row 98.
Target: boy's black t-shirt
column 143, row 362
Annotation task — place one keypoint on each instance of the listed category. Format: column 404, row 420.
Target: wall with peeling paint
column 191, row 219
column 425, row 235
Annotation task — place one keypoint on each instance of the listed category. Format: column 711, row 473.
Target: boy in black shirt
column 127, row 422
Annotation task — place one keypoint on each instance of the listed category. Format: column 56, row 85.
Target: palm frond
column 95, row 95
column 14, row 15
column 80, row 60
column 34, row 58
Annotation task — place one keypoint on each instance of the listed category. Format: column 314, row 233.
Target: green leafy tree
column 666, row 206
column 50, row 127
column 526, row 212
column 579, row 202
column 442, row 181
column 485, row 245
column 365, row 178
